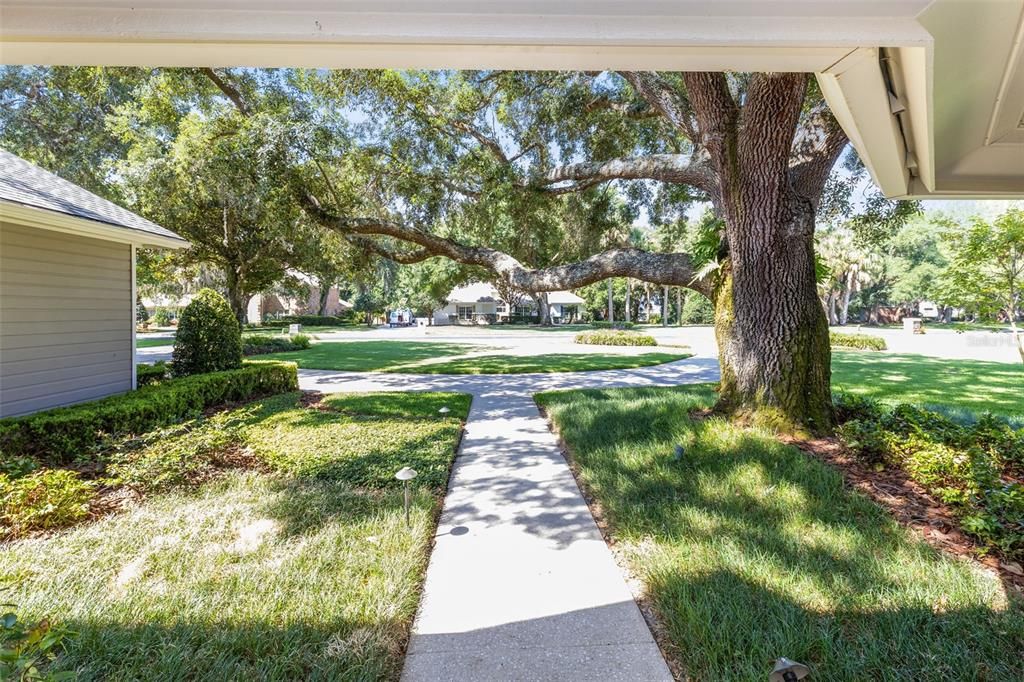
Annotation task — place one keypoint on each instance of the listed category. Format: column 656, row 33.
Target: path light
column 788, row 671
column 406, row 474
column 444, row 410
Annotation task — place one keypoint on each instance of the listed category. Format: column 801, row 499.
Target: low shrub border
column 616, row 337
column 60, row 436
column 150, row 374
column 859, row 341
column 311, row 320
column 974, row 469
column 260, row 344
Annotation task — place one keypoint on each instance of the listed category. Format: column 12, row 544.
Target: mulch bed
column 912, row 506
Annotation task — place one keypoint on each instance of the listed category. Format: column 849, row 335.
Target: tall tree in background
column 987, row 269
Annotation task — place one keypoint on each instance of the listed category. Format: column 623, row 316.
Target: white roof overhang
column 45, row 219
column 931, row 92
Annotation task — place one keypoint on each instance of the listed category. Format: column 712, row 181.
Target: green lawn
column 309, row 329
column 412, row 357
column 150, row 343
column 970, row 385
column 303, row 571
column 552, row 362
column 750, row 550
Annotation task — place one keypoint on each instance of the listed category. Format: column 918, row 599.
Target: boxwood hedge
column 859, row 341
column 61, row 435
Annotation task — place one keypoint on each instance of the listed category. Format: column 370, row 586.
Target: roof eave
column 62, row 222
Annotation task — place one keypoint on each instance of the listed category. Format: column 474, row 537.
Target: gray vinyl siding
column 65, row 319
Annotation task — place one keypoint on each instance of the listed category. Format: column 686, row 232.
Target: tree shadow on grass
column 750, row 550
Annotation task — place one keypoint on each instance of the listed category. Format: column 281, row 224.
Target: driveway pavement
column 521, row 584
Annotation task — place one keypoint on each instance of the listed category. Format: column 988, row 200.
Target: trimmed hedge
column 258, row 344
column 616, row 337
column 858, row 341
column 208, row 339
column 150, row 374
column 60, row 436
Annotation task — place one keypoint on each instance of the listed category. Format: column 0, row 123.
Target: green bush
column 654, row 318
column 858, row 341
column 162, row 317
column 26, row 647
column 150, row 374
column 65, row 434
column 258, row 344
column 616, row 337
column 850, row 406
column 45, row 499
column 697, row 309
column 209, row 338
column 598, row 324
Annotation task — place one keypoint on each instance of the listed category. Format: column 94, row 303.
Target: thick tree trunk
column 325, row 292
column 771, row 329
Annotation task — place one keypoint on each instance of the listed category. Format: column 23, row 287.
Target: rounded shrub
column 209, row 338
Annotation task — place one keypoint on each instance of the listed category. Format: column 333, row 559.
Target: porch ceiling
column 955, row 66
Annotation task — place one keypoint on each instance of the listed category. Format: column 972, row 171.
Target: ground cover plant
column 748, row 548
column 975, row 469
column 615, row 337
column 859, row 341
column 972, row 385
column 293, row 564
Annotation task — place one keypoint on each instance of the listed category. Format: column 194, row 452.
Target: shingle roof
column 24, row 183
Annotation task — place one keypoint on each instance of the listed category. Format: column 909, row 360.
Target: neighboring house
column 480, row 303
column 263, row 306
column 67, row 290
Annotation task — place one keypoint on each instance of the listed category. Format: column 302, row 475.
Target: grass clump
column 858, row 341
column 616, row 337
column 749, row 549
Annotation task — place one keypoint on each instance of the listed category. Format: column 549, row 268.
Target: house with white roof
column 67, row 290
column 480, row 303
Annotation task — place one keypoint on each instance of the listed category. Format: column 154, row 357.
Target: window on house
column 466, row 312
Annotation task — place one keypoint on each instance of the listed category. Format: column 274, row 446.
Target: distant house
column 263, row 306
column 480, row 303
column 67, row 290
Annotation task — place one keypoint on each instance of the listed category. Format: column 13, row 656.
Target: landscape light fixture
column 406, row 474
column 788, row 671
column 444, row 410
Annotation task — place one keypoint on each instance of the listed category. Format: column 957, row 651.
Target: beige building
column 67, row 290
column 480, row 303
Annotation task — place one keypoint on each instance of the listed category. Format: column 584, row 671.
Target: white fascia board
column 61, row 222
column 857, row 95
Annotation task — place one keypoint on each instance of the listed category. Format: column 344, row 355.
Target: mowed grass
column 972, row 385
column 152, row 343
column 421, row 357
column 552, row 362
column 367, row 356
column 303, row 571
column 750, row 550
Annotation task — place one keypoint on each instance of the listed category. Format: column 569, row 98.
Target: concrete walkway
column 521, row 584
